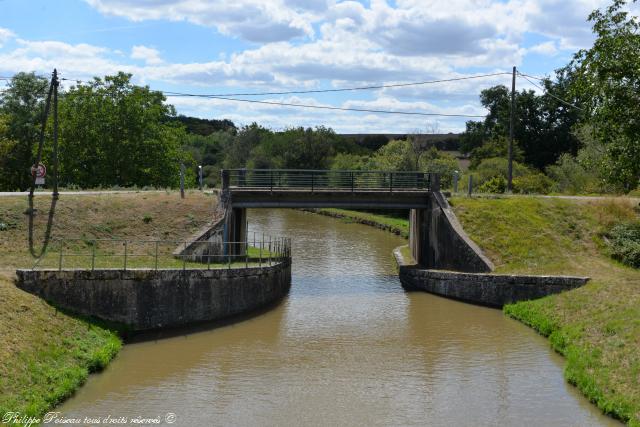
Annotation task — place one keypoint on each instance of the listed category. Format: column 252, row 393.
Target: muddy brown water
column 348, row 346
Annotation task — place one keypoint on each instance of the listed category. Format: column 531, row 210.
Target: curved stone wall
column 149, row 299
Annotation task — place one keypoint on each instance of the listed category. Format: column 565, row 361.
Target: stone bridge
column 436, row 238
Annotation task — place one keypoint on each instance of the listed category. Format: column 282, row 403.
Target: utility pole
column 511, row 130
column 55, row 83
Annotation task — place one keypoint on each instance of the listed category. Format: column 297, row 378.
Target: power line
column 230, row 96
column 549, row 93
column 374, row 87
column 325, row 107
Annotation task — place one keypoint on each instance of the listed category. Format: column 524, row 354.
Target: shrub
column 497, row 184
column 625, row 243
column 533, row 183
column 147, row 219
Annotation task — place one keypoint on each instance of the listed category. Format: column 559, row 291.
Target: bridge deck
column 266, row 188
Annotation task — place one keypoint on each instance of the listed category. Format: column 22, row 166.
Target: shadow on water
column 133, row 337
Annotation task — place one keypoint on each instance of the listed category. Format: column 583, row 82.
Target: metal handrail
column 326, row 179
column 232, row 252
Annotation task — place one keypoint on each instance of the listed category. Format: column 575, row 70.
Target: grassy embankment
column 46, row 353
column 596, row 327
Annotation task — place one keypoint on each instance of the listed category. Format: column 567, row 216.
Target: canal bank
column 48, row 353
column 346, row 346
column 594, row 327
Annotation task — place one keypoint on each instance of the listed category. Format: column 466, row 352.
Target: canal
column 348, row 346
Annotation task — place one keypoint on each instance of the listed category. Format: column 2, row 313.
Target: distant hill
column 204, row 127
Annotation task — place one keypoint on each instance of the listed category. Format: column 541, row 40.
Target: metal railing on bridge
column 90, row 254
column 321, row 180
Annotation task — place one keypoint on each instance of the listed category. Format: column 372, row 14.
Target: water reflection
column 347, row 347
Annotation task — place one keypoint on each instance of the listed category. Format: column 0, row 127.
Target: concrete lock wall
column 437, row 240
column 149, row 299
column 492, row 290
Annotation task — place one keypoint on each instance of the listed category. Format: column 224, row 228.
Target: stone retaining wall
column 148, row 299
column 494, row 290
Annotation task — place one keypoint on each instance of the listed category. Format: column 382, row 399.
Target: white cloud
column 149, row 55
column 320, row 43
column 5, row 35
column 253, row 20
column 546, row 48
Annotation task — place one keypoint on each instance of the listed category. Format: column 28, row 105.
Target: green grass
column 596, row 327
column 399, row 226
column 47, row 353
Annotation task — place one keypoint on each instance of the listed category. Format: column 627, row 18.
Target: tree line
column 580, row 135
column 583, row 132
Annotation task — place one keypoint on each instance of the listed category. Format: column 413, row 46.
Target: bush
column 497, row 184
column 533, row 183
column 572, row 177
column 147, row 219
column 625, row 243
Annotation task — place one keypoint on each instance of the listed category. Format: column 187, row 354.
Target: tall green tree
column 607, row 79
column 541, row 129
column 21, row 106
column 115, row 133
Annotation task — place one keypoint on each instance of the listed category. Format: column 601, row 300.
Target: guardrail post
column 184, row 258
column 434, row 180
column 271, row 181
column 312, row 175
column 93, row 255
column 352, row 182
column 60, row 259
column 390, row 182
column 156, row 256
column 225, row 178
column 269, row 251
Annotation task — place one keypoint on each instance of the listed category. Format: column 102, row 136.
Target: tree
column 607, row 79
column 542, row 125
column 21, row 106
column 397, row 155
column 115, row 133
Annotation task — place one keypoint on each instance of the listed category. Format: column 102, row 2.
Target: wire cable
column 550, row 94
column 325, row 107
column 374, row 87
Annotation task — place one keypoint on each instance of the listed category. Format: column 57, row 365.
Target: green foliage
column 442, row 163
column 345, row 161
column 625, row 243
column 496, row 184
column 585, row 172
column 205, row 127
column 497, row 166
column 542, row 128
column 397, row 155
column 115, row 133
column 21, row 107
column 532, row 183
column 496, row 146
column 607, row 78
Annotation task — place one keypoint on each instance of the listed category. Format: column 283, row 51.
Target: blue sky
column 209, row 46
